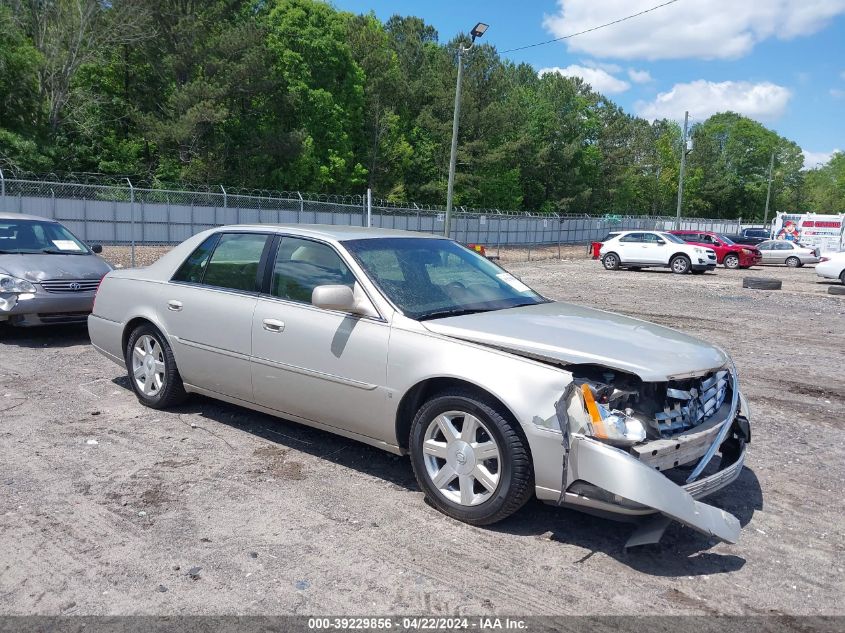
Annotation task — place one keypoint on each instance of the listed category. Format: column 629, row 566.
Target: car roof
column 23, row 216
column 339, row 233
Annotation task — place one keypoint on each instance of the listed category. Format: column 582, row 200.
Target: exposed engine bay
column 662, row 409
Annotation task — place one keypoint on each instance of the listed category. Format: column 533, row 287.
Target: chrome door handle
column 174, row 305
column 274, row 325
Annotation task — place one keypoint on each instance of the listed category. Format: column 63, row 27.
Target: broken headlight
column 14, row 285
column 590, row 416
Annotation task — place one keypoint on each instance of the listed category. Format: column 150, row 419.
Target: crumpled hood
column 38, row 267
column 575, row 334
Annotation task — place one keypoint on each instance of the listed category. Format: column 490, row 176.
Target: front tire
column 611, row 261
column 793, row 262
column 680, row 264
column 471, row 462
column 842, row 277
column 152, row 369
column 731, row 261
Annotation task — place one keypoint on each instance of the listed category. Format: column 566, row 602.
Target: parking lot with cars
column 110, row 507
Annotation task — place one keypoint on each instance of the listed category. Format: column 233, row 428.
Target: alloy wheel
column 462, row 458
column 679, row 265
column 148, row 368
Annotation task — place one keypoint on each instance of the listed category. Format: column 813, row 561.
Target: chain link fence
column 133, row 216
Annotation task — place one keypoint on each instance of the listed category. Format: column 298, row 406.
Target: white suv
column 641, row 249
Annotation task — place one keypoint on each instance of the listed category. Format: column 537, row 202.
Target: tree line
column 296, row 95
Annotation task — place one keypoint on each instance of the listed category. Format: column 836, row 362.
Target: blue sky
column 779, row 61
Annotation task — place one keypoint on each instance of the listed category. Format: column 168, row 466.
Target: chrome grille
column 692, row 402
column 70, row 285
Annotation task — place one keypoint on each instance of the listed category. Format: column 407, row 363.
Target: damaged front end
column 635, row 448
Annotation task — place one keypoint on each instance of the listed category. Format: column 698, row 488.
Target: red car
column 729, row 253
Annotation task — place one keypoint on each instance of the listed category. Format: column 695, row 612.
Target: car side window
column 193, row 268
column 783, row 246
column 234, row 263
column 689, row 237
column 651, row 238
column 764, row 246
column 302, row 265
column 632, row 237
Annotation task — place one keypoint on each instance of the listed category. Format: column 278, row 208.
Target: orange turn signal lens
column 593, row 409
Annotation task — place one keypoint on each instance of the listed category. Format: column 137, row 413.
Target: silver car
column 792, row 254
column 419, row 346
column 47, row 275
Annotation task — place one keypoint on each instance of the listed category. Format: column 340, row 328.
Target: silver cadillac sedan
column 47, row 274
column 419, row 346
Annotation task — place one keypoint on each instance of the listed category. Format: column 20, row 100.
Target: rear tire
column 499, row 477
column 793, row 262
column 842, row 277
column 680, row 264
column 731, row 261
column 152, row 370
column 610, row 261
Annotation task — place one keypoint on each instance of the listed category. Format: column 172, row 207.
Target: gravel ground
column 111, row 508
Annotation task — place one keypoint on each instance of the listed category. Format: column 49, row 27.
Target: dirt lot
column 111, row 508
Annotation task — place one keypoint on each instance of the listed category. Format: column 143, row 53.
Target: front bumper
column 750, row 260
column 615, row 483
column 45, row 309
column 704, row 266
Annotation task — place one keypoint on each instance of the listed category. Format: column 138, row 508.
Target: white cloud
column 816, row 159
column 837, row 93
column 601, row 80
column 762, row 101
column 611, row 68
column 639, row 76
column 842, row 74
column 707, row 29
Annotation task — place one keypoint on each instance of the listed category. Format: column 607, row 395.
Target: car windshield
column 725, row 239
column 36, row 236
column 433, row 278
column 757, row 233
column 672, row 238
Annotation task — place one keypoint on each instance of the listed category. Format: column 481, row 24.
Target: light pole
column 685, row 149
column 769, row 190
column 476, row 32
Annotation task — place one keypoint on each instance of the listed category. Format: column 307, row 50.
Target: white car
column 642, row 249
column 832, row 266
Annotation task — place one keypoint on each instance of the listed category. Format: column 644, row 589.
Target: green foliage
column 293, row 94
column 825, row 186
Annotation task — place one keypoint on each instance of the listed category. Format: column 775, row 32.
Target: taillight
column 96, row 292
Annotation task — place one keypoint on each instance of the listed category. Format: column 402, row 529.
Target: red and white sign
column 827, row 232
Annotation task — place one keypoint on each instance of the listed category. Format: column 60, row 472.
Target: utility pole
column 683, row 169
column 476, row 32
column 769, row 189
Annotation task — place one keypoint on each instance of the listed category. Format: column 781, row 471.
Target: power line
column 595, row 28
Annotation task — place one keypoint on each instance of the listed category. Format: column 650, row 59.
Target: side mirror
column 97, row 248
column 342, row 299
column 661, row 242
